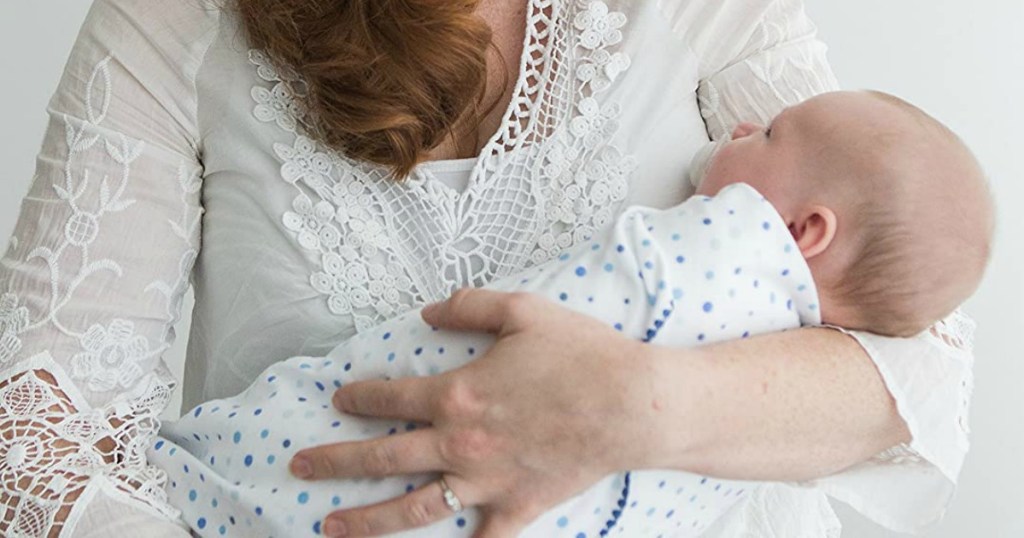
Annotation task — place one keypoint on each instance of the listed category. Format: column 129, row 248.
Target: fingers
column 478, row 310
column 418, row 508
column 409, row 398
column 414, row 452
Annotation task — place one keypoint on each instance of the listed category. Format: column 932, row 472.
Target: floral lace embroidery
column 111, row 356
column 56, row 444
column 185, row 229
column 82, row 228
column 956, row 332
column 384, row 248
column 900, row 454
column 582, row 199
column 57, row 449
column 13, row 321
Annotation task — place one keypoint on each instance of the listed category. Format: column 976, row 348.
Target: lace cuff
column 61, row 454
column 908, row 487
column 780, row 510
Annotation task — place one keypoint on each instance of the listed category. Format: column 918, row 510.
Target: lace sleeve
column 908, row 487
column 92, row 280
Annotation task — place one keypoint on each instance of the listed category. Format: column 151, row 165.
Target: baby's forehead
column 851, row 122
column 866, row 112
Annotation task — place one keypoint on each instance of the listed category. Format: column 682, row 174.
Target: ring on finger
column 450, row 498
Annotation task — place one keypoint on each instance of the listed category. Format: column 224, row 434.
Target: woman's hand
column 554, row 406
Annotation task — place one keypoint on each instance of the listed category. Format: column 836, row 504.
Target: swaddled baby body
column 718, row 267
column 708, row 270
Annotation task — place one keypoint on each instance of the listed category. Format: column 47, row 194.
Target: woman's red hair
column 388, row 79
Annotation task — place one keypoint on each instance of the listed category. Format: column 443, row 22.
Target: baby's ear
column 813, row 229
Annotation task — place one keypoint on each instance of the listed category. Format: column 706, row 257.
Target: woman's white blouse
column 174, row 156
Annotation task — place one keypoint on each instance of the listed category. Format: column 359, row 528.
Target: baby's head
column 891, row 211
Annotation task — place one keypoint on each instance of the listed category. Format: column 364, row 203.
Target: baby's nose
column 745, row 129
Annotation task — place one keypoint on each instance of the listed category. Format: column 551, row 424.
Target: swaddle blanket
column 710, row 269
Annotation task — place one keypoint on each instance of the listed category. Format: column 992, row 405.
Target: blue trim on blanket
column 624, row 498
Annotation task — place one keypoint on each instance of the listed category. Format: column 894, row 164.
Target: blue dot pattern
column 708, row 270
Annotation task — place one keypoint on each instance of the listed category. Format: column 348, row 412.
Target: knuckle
column 380, row 459
column 351, row 399
column 375, row 400
column 326, row 465
column 371, row 400
column 458, row 299
column 417, row 513
column 459, row 400
column 467, row 446
column 365, row 525
column 347, row 399
column 461, row 293
column 519, row 304
column 321, row 462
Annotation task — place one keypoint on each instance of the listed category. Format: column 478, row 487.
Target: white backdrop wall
column 961, row 61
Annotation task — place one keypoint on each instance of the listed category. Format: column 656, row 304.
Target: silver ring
column 450, row 498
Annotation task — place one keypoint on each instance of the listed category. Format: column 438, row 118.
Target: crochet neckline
column 546, row 180
column 521, row 96
column 525, row 98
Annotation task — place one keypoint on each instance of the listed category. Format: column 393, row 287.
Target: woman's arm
column 877, row 422
column 92, row 281
column 787, row 406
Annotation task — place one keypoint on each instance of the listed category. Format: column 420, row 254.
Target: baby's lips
column 702, row 161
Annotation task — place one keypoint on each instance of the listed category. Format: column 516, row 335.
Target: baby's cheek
column 705, row 173
column 716, row 178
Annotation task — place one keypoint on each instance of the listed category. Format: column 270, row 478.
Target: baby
column 854, row 209
column 890, row 209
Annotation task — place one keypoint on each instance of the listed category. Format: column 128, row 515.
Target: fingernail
column 335, row 528
column 301, row 468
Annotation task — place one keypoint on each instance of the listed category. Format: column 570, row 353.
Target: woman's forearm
column 786, row 406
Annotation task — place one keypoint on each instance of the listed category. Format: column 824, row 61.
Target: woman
column 178, row 151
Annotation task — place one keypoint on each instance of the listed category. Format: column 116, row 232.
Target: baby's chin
column 707, row 188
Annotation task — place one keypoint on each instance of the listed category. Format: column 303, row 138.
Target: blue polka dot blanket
column 710, row 269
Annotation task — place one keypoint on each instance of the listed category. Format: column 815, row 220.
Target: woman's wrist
column 658, row 400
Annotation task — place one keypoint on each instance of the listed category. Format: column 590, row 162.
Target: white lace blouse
column 175, row 155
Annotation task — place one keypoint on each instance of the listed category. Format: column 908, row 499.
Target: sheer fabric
column 175, row 155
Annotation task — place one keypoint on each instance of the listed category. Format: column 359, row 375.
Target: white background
column 959, row 60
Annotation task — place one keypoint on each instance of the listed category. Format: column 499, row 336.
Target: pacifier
column 702, row 161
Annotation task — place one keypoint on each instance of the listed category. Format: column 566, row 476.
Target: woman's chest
column 506, row 20
column 603, row 114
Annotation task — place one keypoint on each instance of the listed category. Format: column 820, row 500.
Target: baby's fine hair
column 924, row 230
